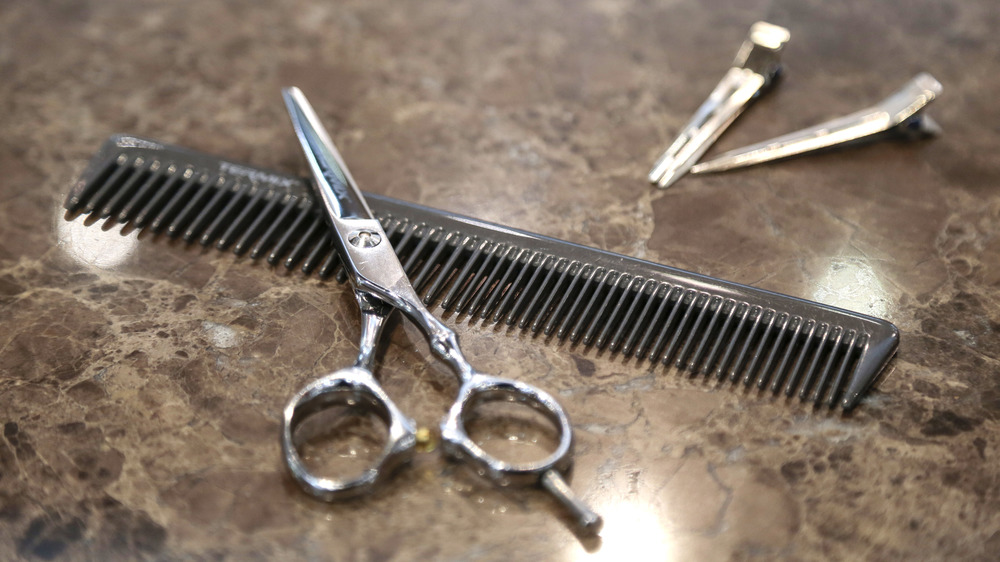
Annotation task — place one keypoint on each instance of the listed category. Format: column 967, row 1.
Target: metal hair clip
column 901, row 112
column 757, row 64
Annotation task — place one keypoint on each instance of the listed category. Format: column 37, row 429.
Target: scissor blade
column 337, row 188
column 367, row 255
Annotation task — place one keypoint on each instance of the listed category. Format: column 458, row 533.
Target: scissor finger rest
column 357, row 388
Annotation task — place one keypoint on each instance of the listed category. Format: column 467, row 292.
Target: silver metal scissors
column 381, row 287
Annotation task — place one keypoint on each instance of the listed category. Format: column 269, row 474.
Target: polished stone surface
column 141, row 381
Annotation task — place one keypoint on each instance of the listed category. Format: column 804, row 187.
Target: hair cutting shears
column 381, row 287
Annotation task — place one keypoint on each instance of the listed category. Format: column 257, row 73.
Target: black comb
column 740, row 335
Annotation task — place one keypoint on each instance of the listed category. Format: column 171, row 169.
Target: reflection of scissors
column 381, row 287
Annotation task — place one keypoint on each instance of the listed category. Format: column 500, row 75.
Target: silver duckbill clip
column 900, row 112
column 757, row 64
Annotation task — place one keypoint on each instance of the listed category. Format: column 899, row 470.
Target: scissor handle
column 476, row 388
column 354, row 387
column 479, row 389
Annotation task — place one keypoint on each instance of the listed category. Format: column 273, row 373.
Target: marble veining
column 141, row 381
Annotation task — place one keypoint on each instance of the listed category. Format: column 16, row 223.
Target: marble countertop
column 141, row 381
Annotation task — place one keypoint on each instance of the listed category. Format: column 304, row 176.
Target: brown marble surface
column 141, row 381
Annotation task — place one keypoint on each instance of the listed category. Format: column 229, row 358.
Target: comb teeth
column 649, row 313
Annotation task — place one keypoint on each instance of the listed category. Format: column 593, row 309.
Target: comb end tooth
column 72, row 203
column 76, row 196
column 871, row 364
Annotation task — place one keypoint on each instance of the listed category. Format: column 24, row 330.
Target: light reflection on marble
column 633, row 530
column 852, row 284
column 93, row 247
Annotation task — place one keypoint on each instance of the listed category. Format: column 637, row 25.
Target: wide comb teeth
column 736, row 335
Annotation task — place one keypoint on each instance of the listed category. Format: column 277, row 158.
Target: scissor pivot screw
column 365, row 239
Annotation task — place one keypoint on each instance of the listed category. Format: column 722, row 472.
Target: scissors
column 381, row 287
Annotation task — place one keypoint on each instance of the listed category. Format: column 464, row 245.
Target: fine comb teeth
column 737, row 334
